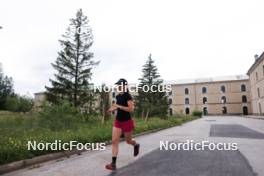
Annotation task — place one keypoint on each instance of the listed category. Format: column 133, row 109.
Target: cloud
column 186, row 38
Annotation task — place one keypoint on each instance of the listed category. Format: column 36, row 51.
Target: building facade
column 39, row 99
column 256, row 77
column 213, row 96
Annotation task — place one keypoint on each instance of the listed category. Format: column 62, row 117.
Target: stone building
column 219, row 95
column 256, row 79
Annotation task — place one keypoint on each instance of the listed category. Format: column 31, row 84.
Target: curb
column 53, row 156
column 254, row 117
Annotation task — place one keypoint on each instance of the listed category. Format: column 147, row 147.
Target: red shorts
column 126, row 126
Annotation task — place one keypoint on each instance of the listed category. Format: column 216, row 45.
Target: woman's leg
column 129, row 140
column 116, row 133
column 115, row 140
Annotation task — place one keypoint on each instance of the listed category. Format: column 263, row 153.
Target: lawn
column 16, row 129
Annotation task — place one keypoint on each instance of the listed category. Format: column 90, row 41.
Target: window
column 170, row 93
column 187, row 101
column 243, row 88
column 187, row 111
column 244, row 98
column 113, row 94
column 223, row 89
column 204, row 90
column 256, row 75
column 170, row 101
column 170, row 111
column 224, row 110
column 204, row 100
column 186, row 91
column 260, row 110
column 223, row 99
column 258, row 92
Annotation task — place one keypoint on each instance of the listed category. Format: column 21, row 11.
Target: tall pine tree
column 151, row 103
column 74, row 64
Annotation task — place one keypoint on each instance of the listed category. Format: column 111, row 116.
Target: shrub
column 59, row 116
column 18, row 103
column 12, row 103
column 25, row 104
column 197, row 113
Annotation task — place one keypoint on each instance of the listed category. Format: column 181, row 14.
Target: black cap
column 121, row 82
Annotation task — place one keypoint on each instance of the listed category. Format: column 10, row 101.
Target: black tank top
column 121, row 99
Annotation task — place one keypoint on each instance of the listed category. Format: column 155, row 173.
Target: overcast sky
column 187, row 39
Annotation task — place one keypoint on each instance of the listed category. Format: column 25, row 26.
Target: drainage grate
column 234, row 131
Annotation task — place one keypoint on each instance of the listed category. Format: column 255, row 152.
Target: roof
column 209, row 79
column 40, row 93
column 257, row 61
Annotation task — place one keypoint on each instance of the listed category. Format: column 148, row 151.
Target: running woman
column 123, row 122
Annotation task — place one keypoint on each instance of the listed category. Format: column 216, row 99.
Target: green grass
column 16, row 129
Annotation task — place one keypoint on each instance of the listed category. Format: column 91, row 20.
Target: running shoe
column 110, row 166
column 136, row 149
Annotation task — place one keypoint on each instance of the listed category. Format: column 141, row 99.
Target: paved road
column 189, row 163
column 246, row 161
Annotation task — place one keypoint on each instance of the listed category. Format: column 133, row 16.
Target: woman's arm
column 112, row 108
column 129, row 108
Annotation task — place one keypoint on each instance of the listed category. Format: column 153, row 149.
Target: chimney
column 256, row 57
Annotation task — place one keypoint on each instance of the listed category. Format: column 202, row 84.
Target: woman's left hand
column 112, row 108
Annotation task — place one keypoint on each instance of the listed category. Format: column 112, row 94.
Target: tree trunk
column 142, row 115
column 146, row 118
